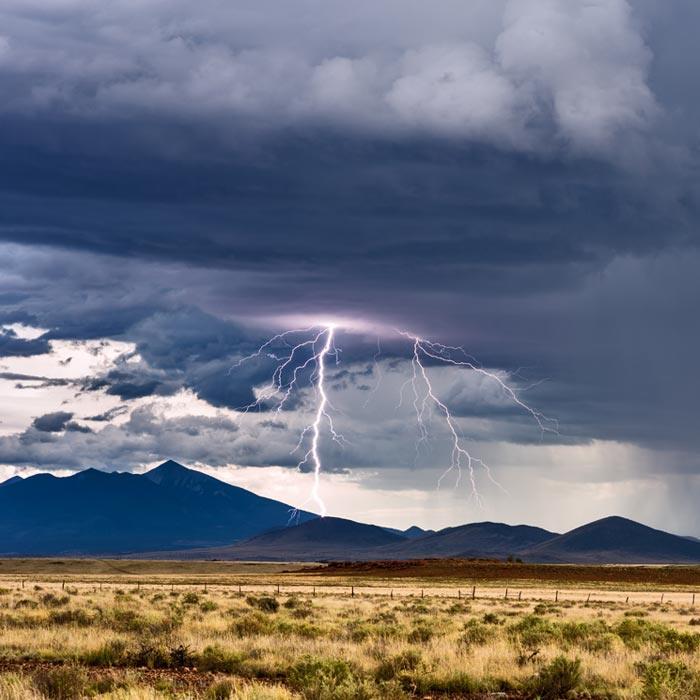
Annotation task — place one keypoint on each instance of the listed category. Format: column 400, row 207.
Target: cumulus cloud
column 52, row 422
column 572, row 71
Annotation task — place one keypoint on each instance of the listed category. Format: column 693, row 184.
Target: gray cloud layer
column 517, row 176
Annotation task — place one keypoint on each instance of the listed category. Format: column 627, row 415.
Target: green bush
column 79, row 617
column 221, row 690
column 394, row 666
column 421, row 634
column 534, row 631
column 636, row 633
column 113, row 653
column 251, row 624
column 218, row 660
column 476, row 634
column 668, row 680
column 328, row 679
column 266, row 604
column 62, row 683
column 557, row 679
column 52, row 601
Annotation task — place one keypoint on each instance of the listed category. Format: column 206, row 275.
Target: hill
column 615, row 540
column 315, row 540
column 488, row 540
column 96, row 513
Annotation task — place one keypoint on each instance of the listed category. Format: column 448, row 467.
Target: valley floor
column 136, row 630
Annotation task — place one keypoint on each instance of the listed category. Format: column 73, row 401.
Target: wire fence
column 467, row 592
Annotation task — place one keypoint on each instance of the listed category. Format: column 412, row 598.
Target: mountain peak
column 172, row 472
column 170, row 466
column 11, row 480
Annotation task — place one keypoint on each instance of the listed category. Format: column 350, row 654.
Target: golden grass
column 160, row 640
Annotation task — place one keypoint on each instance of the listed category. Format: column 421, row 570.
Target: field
column 135, row 629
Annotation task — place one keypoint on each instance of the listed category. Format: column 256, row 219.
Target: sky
column 182, row 180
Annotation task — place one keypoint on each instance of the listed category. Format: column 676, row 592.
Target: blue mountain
column 99, row 513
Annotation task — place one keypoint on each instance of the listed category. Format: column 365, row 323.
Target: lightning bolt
column 296, row 351
column 424, row 397
column 286, row 378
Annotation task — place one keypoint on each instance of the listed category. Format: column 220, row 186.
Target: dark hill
column 95, row 512
column 616, row 540
column 489, row 540
column 415, row 531
column 11, row 480
column 316, row 540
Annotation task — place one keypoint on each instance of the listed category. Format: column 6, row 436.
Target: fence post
column 588, row 600
column 506, row 596
column 520, row 595
column 693, row 598
column 63, row 585
column 278, row 589
column 239, row 589
column 556, row 596
column 627, row 600
column 459, row 594
column 422, row 592
column 314, row 591
column 662, row 597
column 473, row 592
column 352, row 591
column 391, row 594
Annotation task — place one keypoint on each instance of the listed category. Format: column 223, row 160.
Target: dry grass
column 160, row 640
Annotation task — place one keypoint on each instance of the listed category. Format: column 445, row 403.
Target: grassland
column 158, row 630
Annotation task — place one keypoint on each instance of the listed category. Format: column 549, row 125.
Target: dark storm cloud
column 433, row 166
column 52, row 422
column 11, row 345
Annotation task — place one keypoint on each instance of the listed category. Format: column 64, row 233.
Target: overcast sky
column 181, row 180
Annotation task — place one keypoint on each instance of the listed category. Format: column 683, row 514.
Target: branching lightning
column 285, row 379
column 302, row 355
column 424, row 397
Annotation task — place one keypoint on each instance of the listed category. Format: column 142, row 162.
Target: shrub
column 421, row 634
column 221, row 690
column 251, row 624
column 476, row 634
column 62, row 683
column 491, row 619
column 208, row 606
column 635, row 633
column 395, row 665
column 328, row 679
column 150, row 655
column 534, row 631
column 79, row 617
column 190, row 598
column 266, row 604
column 218, row 660
column 113, row 653
column 52, row 601
column 668, row 680
column 557, row 679
column 180, row 656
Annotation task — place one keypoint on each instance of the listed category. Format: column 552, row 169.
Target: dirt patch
column 488, row 570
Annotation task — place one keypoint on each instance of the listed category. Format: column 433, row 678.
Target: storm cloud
column 515, row 176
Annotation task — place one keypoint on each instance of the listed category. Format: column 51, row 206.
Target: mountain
column 336, row 539
column 11, row 480
column 415, row 531
column 95, row 512
column 485, row 540
column 315, row 540
column 615, row 540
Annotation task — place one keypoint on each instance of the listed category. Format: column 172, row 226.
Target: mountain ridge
column 173, row 511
